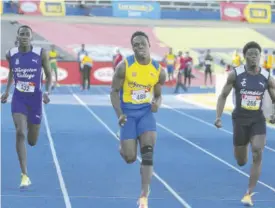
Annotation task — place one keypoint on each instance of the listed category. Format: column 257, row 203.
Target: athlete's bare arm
column 157, row 88
column 47, row 70
column 225, row 92
column 271, row 90
column 117, row 83
column 10, row 76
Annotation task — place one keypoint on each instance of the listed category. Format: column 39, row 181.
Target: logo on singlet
column 243, row 82
column 28, row 73
column 261, row 84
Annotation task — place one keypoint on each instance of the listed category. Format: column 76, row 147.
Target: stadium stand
column 178, row 4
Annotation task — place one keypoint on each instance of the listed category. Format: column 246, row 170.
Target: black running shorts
column 245, row 128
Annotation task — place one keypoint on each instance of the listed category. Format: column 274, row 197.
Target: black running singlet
column 249, row 92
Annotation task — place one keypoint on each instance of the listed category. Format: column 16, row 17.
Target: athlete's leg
column 189, row 78
column 128, row 150
column 34, row 118
column 146, row 129
column 128, row 141
column 170, row 73
column 33, row 133
column 241, row 154
column 56, row 74
column 205, row 77
column 210, row 76
column 185, row 77
column 147, row 143
column 241, row 141
column 258, row 141
column 257, row 145
column 20, row 122
column 83, row 78
column 89, row 77
column 179, row 80
column 86, row 72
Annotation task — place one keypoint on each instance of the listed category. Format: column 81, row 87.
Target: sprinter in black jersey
column 250, row 82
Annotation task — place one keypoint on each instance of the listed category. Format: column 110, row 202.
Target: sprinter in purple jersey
column 26, row 63
column 250, row 82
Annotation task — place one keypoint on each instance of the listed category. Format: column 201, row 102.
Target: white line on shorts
column 212, row 155
column 164, row 183
column 206, row 123
column 57, row 166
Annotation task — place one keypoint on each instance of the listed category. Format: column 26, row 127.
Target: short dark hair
column 24, row 26
column 251, row 44
column 139, row 33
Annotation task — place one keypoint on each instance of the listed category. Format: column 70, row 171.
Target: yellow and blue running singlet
column 170, row 61
column 136, row 95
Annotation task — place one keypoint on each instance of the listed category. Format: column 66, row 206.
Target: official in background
column 80, row 56
column 182, row 66
column 117, row 58
column 208, row 62
column 188, row 69
column 86, row 65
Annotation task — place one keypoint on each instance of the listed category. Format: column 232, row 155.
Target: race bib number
column 140, row 96
column 25, row 86
column 170, row 62
column 250, row 102
column 207, row 62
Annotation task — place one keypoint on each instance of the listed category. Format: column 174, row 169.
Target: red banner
column 232, row 11
column 29, row 7
column 69, row 73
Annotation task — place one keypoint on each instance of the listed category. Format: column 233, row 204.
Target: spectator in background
column 228, row 68
column 237, row 59
column 14, row 5
column 201, row 59
column 188, row 60
column 80, row 56
column 170, row 60
column 117, row 58
column 182, row 66
column 267, row 60
column 53, row 57
column 208, row 62
column 86, row 65
column 87, row 9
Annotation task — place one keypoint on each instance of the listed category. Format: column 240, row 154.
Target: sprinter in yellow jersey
column 135, row 95
column 53, row 56
column 170, row 60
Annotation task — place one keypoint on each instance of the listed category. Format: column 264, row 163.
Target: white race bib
column 140, row 96
column 207, row 62
column 170, row 62
column 25, row 86
column 251, row 102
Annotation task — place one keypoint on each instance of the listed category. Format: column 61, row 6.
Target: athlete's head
column 140, row 44
column 24, row 35
column 170, row 50
column 273, row 53
column 252, row 54
column 52, row 47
